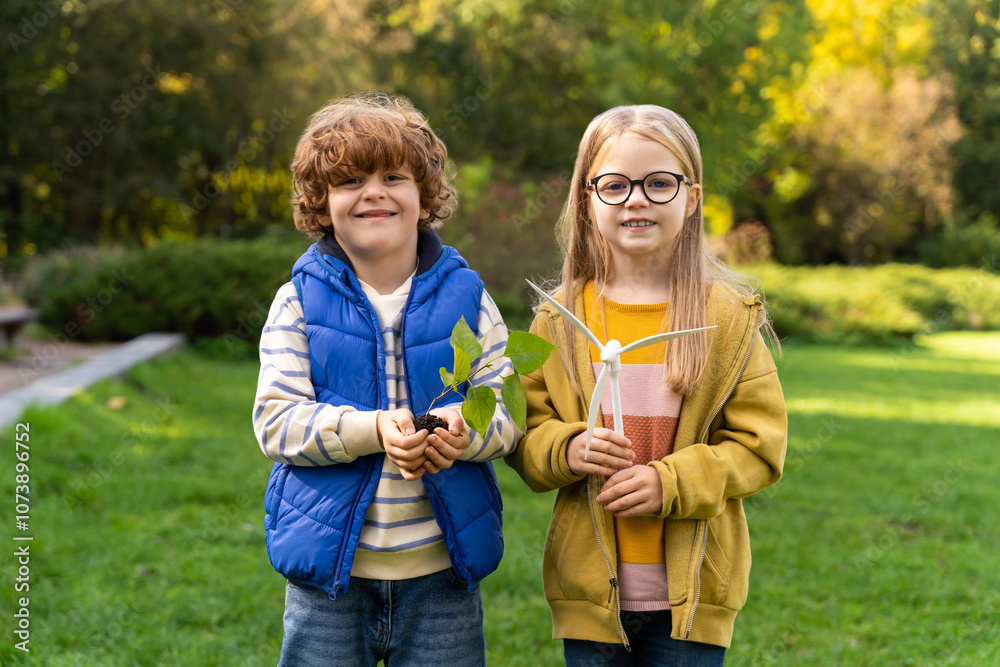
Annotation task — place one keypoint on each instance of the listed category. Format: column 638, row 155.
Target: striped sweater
column 649, row 412
column 400, row 538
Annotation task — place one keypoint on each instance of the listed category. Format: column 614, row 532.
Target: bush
column 749, row 242
column 205, row 288
column 212, row 289
column 880, row 305
column 964, row 244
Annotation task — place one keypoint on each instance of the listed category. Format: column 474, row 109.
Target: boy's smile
column 374, row 217
column 377, row 214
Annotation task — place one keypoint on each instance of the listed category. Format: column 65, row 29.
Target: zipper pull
column 614, row 585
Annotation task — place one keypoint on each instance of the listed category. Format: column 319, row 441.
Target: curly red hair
column 368, row 132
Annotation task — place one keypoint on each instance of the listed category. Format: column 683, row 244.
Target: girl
column 648, row 557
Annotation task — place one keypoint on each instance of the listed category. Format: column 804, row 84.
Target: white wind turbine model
column 610, row 355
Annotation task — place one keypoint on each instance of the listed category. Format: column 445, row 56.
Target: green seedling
column 527, row 352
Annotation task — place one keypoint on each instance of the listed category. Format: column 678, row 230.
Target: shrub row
column 964, row 244
column 209, row 288
column 878, row 305
column 222, row 290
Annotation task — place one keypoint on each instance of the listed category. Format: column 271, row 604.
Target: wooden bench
column 12, row 319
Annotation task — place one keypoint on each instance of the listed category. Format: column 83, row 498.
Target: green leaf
column 513, row 399
column 527, row 352
column 462, row 368
column 447, row 379
column 478, row 408
column 462, row 338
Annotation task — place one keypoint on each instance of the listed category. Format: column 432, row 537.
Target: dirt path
column 35, row 359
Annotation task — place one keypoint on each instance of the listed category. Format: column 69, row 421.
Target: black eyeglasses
column 659, row 187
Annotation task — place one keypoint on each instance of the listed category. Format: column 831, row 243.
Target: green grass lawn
column 879, row 547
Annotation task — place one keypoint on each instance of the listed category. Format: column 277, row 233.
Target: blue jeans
column 430, row 621
column 649, row 636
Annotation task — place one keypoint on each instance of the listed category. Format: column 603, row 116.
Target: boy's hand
column 609, row 453
column 445, row 446
column 634, row 491
column 402, row 443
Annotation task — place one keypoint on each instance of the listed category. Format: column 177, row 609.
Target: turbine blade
column 595, row 406
column 659, row 338
column 568, row 315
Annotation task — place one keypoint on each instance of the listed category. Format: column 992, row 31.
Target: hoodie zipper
column 704, row 434
column 612, row 592
column 338, row 585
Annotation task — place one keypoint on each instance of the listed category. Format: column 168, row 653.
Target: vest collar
column 429, row 250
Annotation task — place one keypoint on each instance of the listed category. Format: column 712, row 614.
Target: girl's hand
column 631, row 492
column 609, row 453
column 402, row 443
column 445, row 446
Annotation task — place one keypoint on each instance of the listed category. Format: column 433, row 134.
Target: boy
column 382, row 531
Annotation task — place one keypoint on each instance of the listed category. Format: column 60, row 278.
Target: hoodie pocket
column 718, row 570
column 574, row 568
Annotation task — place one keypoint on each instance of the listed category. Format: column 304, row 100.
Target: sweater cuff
column 668, row 486
column 359, row 433
column 560, row 466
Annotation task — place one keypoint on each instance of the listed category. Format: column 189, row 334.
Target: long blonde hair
column 690, row 270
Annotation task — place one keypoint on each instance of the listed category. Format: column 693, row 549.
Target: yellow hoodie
column 730, row 443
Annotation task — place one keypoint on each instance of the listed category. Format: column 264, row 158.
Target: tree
column 855, row 164
column 967, row 47
column 869, row 176
column 521, row 81
column 131, row 121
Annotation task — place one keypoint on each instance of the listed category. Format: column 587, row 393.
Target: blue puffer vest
column 314, row 515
